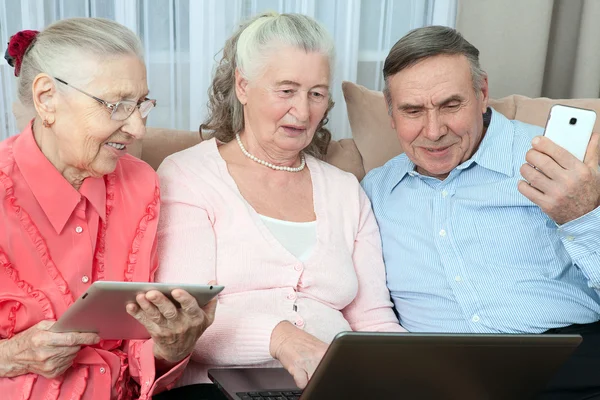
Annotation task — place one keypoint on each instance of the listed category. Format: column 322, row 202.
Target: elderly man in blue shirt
column 475, row 238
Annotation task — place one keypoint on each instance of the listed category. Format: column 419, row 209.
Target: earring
column 46, row 123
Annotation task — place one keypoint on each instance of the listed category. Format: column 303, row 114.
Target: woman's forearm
column 8, row 367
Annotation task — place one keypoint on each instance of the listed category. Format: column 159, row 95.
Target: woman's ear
column 43, row 90
column 241, row 86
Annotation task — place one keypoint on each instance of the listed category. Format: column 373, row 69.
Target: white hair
column 63, row 47
column 271, row 32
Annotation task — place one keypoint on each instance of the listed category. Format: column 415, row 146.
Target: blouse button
column 291, row 296
column 298, row 267
column 299, row 322
column 85, row 279
column 79, row 229
column 102, row 370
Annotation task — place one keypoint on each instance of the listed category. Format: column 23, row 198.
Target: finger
column 45, row 325
column 559, row 154
column 544, row 163
column 147, row 307
column 74, row 339
column 531, row 193
column 592, row 155
column 163, row 304
column 536, row 179
column 189, row 305
column 300, row 377
column 210, row 309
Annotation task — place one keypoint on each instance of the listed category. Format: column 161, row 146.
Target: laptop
column 367, row 365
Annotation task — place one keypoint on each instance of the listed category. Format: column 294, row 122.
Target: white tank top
column 299, row 238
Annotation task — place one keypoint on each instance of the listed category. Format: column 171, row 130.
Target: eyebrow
column 409, row 106
column 288, row 82
column 128, row 95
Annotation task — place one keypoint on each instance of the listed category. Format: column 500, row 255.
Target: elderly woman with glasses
column 75, row 209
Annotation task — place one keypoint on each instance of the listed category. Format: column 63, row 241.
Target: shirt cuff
column 581, row 237
column 150, row 385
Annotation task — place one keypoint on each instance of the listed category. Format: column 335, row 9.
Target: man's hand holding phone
column 564, row 187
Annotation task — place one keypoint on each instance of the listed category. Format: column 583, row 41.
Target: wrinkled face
column 436, row 113
column 284, row 106
column 87, row 138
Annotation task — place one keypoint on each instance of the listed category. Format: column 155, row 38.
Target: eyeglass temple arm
column 87, row 94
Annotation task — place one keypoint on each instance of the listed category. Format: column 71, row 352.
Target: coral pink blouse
column 54, row 242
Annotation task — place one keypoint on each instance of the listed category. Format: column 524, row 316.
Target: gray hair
column 430, row 41
column 61, row 48
column 248, row 50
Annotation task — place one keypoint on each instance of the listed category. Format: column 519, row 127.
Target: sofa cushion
column 345, row 155
column 158, row 143
column 377, row 142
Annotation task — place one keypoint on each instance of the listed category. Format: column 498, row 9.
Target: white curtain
column 183, row 38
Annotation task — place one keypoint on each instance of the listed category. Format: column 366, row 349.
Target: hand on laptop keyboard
column 299, row 352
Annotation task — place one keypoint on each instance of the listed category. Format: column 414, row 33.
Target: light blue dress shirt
column 472, row 254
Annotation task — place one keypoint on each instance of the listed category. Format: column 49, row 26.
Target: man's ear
column 241, row 87
column 388, row 103
column 485, row 93
column 44, row 93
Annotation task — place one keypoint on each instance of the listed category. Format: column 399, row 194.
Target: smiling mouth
column 118, row 146
column 438, row 150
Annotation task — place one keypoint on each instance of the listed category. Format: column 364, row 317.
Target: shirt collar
column 495, row 151
column 53, row 192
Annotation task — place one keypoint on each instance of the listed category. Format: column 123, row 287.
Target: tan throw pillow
column 370, row 125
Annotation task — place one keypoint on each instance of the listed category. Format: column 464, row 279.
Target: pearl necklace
column 268, row 164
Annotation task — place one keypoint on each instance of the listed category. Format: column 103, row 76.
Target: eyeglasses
column 123, row 109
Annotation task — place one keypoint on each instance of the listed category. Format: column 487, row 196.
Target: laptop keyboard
column 271, row 395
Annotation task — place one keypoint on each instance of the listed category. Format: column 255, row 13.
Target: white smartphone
column 570, row 128
column 101, row 309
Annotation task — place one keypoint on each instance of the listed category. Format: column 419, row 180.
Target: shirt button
column 411, row 173
column 79, row 229
column 442, row 233
column 291, row 296
column 298, row 267
column 102, row 370
column 475, row 318
column 457, row 278
column 85, row 279
column 570, row 238
column 300, row 322
column 444, row 193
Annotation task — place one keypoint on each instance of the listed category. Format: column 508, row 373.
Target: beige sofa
column 374, row 141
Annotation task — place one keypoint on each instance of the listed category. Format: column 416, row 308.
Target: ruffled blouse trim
column 83, row 374
column 39, row 296
column 101, row 242
column 53, row 389
column 151, row 213
column 37, row 240
column 126, row 388
column 12, row 320
column 28, row 382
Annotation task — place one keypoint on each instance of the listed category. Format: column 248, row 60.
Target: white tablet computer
column 101, row 309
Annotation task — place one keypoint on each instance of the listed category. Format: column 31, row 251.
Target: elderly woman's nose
column 134, row 125
column 301, row 109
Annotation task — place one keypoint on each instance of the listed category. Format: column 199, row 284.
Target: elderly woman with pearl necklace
column 292, row 238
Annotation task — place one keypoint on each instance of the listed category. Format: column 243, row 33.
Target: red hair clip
column 17, row 46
